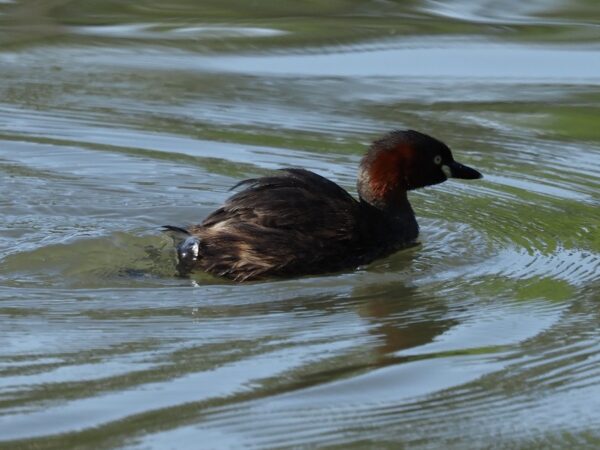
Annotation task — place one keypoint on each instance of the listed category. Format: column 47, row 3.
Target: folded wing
column 293, row 220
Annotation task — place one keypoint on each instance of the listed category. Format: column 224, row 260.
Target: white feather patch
column 447, row 171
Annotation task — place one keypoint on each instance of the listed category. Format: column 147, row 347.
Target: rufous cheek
column 388, row 172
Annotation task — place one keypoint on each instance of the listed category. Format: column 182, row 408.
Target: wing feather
column 279, row 223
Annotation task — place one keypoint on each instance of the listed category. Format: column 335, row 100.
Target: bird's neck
column 392, row 217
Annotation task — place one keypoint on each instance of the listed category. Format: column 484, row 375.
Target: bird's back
column 294, row 222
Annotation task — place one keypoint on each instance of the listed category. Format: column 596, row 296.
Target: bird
column 295, row 222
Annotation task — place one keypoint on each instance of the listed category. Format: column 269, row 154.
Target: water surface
column 117, row 118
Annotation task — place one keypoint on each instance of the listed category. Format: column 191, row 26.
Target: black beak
column 458, row 170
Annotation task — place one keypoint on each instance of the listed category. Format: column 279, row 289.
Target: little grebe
column 296, row 222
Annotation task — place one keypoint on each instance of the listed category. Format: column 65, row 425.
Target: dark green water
column 118, row 117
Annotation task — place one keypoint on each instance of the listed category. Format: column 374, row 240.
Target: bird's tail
column 188, row 248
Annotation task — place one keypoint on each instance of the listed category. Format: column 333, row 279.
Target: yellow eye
column 437, row 160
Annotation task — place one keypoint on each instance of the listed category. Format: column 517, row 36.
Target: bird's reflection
column 396, row 316
column 402, row 316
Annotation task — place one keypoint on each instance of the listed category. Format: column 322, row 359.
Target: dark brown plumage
column 297, row 222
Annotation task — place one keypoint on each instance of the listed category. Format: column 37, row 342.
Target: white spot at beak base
column 447, row 171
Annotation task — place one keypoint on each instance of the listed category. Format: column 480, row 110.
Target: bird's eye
column 437, row 160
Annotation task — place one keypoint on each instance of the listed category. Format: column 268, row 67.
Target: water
column 117, row 118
